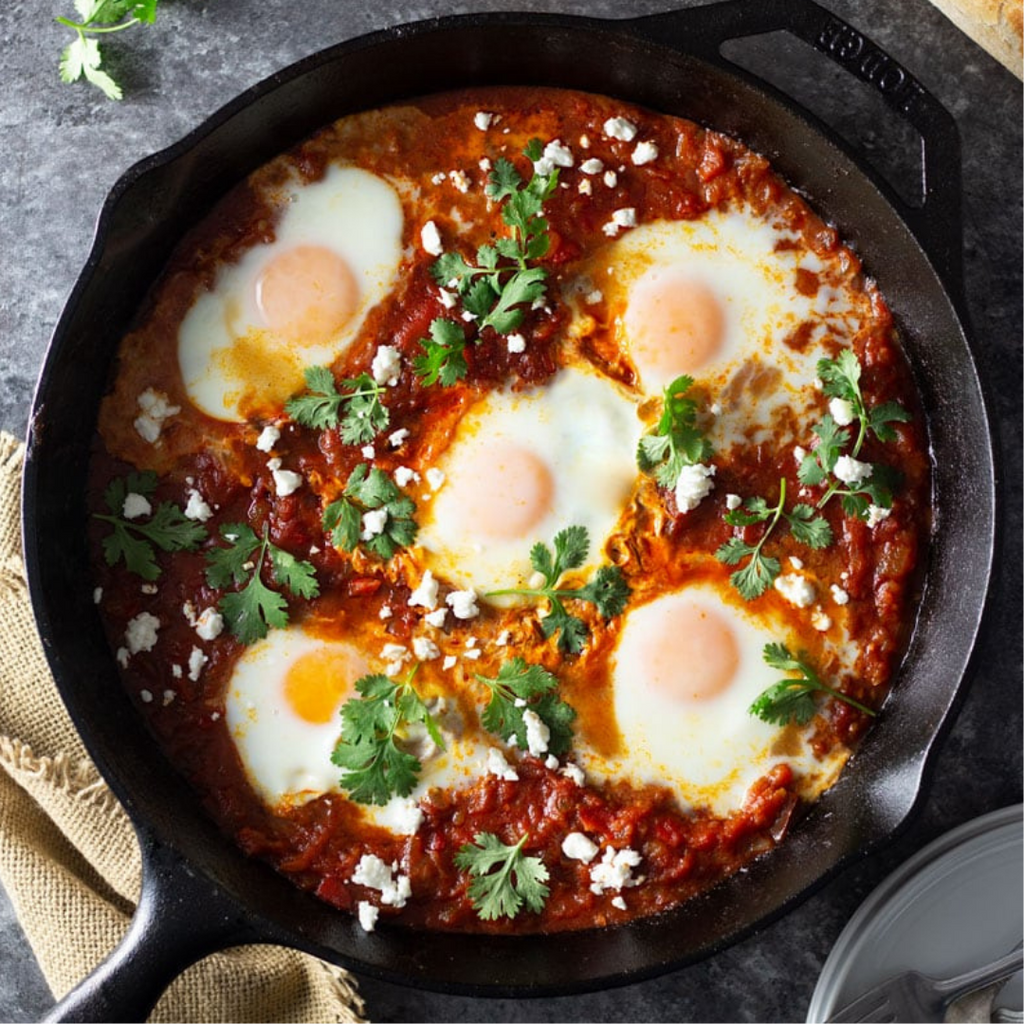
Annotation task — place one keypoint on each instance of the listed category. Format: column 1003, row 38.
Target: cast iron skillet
column 199, row 893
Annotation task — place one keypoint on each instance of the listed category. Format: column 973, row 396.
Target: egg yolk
column 317, row 681
column 692, row 655
column 673, row 325
column 500, row 492
column 307, row 294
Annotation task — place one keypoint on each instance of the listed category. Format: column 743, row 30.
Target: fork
column 912, row 996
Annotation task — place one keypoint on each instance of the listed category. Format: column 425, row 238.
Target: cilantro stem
column 774, row 520
column 839, row 695
column 87, row 26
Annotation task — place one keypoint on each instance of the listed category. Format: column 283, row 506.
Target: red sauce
column 319, row 843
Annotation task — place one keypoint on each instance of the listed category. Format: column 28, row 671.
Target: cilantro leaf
column 519, row 687
column 358, row 411
column 372, row 725
column 792, row 699
column 881, row 416
column 518, row 881
column 443, row 356
column 675, row 442
column 370, row 490
column 133, row 540
column 808, row 528
column 256, row 608
column 608, row 591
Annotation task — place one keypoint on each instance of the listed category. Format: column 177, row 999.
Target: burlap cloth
column 68, row 855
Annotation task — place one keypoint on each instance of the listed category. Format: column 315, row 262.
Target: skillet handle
column 936, row 221
column 180, row 918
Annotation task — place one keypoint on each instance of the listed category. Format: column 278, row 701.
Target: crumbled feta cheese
column 269, row 436
column 585, row 188
column 367, row 451
column 196, row 661
column 401, row 814
column 394, row 652
column 575, row 773
column 435, row 478
column 557, row 155
column 460, row 179
column 368, row 915
column 122, row 656
column 502, row 639
column 176, row 671
column 584, row 142
column 398, row 437
column 449, row 662
column 425, row 649
column 374, row 522
column 820, row 621
column 467, row 316
column 615, row 870
column 733, row 501
column 537, row 733
column 374, row 873
column 618, row 902
column 839, row 595
column 551, row 762
column 438, row 179
column 436, row 618
column 285, row 481
column 497, row 765
column 592, row 166
column 140, row 633
column 385, row 612
column 622, row 218
column 876, row 514
column 484, row 164
column 405, row 476
column 619, row 128
column 799, row 454
column 796, row 589
column 430, row 239
column 577, row 846
column 135, row 505
column 210, row 624
column 842, row 411
column 197, row 507
column 852, row 471
column 448, row 298
column 463, row 604
column 715, row 409
column 796, row 563
column 611, row 179
column 156, row 408
column 425, row 595
column 644, row 153
column 168, row 697
column 473, row 654
column 148, row 588
column 516, row 343
column 482, row 119
column 97, row 595
column 387, row 365
column 693, row 486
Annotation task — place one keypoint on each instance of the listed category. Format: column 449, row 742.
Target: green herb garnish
column 256, row 608
column 792, row 699
column 760, row 572
column 167, row 527
column 518, row 881
column 442, row 358
column 357, row 410
column 376, row 766
column 607, row 591
column 82, row 56
column 675, row 442
column 371, row 491
column 518, row 688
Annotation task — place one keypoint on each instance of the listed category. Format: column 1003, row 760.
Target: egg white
column 229, row 358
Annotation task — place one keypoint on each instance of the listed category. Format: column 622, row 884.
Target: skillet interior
column 146, row 215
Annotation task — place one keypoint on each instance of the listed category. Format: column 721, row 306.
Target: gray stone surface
column 64, row 146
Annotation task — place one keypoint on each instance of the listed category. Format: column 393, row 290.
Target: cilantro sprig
column 840, row 379
column 357, row 409
column 367, row 491
column 256, row 608
column 520, row 687
column 761, row 571
column 792, row 699
column 498, row 288
column 518, row 881
column 675, row 442
column 372, row 725
column 167, row 528
column 607, row 591
column 82, row 56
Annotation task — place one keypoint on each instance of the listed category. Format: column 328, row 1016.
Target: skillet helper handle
column 935, row 222
column 181, row 917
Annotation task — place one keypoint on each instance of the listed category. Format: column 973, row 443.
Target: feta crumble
column 615, row 870
column 398, row 437
column 405, row 476
column 644, row 153
column 386, row 366
column 575, row 773
column 620, row 128
column 449, row 662
column 482, row 120
column 436, row 618
column 820, row 620
column 537, row 733
column 876, row 514
column 424, row 649
column 374, row 522
column 852, row 471
column 285, row 481
column 368, row 452
column 842, row 411
column 516, row 343
column 796, row 589
column 210, row 624
column 430, row 238
column 372, row 872
column 618, row 902
column 385, row 612
column 733, row 501
column 839, row 595
column 577, row 846
column 135, row 505
column 460, row 179
column 463, row 604
column 435, row 478
column 622, row 218
column 693, row 486
column 197, row 508
column 592, row 166
column 196, row 662
column 140, row 633
column 611, row 179
column 402, row 814
column 497, row 765
column 425, row 595
column 368, row 915
column 156, row 409
column 269, row 436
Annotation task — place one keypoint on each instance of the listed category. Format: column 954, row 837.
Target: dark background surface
column 64, row 147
